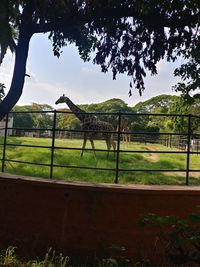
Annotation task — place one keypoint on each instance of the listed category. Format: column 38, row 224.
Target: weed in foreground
column 8, row 257
column 51, row 259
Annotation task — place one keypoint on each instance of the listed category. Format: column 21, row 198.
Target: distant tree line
column 162, row 104
column 34, row 118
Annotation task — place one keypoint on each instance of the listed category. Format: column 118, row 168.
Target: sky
column 83, row 83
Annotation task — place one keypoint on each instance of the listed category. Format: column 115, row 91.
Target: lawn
column 71, row 158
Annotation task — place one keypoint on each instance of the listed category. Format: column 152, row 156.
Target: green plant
column 114, row 256
column 180, row 237
column 121, row 262
column 8, row 256
column 51, row 259
column 107, row 263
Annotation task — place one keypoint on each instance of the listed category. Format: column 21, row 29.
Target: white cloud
column 162, row 66
column 88, row 70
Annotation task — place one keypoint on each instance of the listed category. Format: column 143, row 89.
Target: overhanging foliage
column 127, row 36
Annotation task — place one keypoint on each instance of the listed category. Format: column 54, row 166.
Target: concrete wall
column 83, row 218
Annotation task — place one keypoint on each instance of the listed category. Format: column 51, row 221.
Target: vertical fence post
column 170, row 140
column 53, row 143
column 118, row 148
column 188, row 150
column 4, row 143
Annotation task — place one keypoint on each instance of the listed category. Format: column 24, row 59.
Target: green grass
column 128, row 160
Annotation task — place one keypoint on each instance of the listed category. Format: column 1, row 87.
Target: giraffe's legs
column 114, row 147
column 129, row 138
column 84, row 144
column 93, row 147
column 106, row 140
column 108, row 146
column 123, row 138
column 110, row 143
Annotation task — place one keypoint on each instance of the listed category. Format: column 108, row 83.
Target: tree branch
column 153, row 20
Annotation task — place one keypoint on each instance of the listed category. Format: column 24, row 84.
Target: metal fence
column 187, row 143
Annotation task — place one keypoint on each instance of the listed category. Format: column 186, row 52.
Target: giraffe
column 125, row 131
column 126, row 134
column 91, row 126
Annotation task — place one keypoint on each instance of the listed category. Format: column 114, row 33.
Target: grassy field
column 128, row 160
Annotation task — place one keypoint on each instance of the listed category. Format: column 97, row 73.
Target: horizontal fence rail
column 186, row 144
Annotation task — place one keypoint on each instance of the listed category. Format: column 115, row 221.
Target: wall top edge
column 97, row 186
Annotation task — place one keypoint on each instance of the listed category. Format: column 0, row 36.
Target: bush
column 180, row 238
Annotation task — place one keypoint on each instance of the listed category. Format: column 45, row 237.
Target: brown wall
column 82, row 218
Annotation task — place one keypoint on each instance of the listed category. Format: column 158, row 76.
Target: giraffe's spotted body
column 91, row 124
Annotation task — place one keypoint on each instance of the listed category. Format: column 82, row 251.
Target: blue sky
column 81, row 82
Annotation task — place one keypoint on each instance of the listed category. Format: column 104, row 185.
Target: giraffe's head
column 61, row 99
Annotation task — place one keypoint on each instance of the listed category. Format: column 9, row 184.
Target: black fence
column 127, row 127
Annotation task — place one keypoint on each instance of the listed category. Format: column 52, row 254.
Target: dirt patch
column 153, row 157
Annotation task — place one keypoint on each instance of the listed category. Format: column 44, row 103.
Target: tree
column 129, row 36
column 7, row 32
column 157, row 104
column 190, row 73
column 66, row 120
column 22, row 118
column 114, row 105
column 160, row 104
column 180, row 124
column 40, row 117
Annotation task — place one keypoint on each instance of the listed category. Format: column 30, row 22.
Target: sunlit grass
column 71, row 158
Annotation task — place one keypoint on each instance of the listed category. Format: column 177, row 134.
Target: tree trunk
column 17, row 83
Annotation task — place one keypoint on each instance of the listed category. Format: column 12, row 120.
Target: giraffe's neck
column 79, row 113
